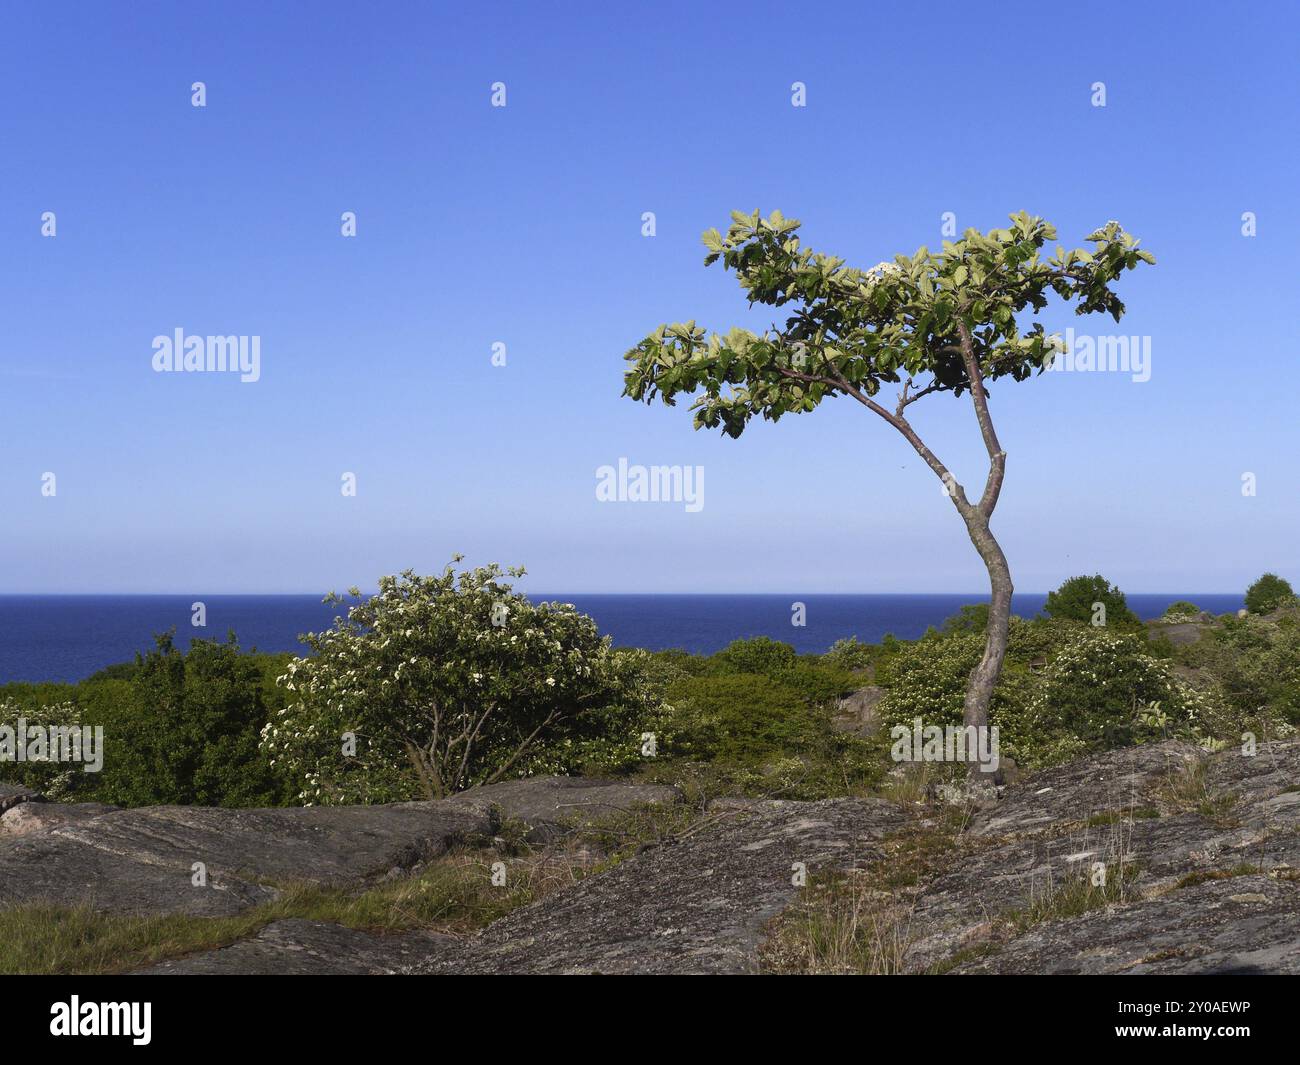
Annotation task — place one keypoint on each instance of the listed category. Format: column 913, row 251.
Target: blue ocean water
column 68, row 637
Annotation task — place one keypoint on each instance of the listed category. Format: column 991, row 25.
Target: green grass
column 841, row 924
column 860, row 922
column 1075, row 896
column 1202, row 876
column 981, row 950
column 454, row 895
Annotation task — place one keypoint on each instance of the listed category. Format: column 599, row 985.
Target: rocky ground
column 1198, row 853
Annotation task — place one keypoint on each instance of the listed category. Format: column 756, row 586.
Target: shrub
column 1040, row 638
column 1077, row 600
column 928, row 680
column 758, row 655
column 439, row 683
column 849, row 654
column 189, row 732
column 813, row 677
column 973, row 617
column 750, row 734
column 1182, row 609
column 1107, row 691
column 1256, row 664
column 51, row 778
column 737, row 718
column 610, row 738
column 1268, row 593
column 1098, row 690
column 179, row 728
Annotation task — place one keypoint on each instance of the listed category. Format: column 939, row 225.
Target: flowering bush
column 51, row 778
column 1097, row 690
column 928, row 680
column 1107, row 691
column 850, row 654
column 439, row 683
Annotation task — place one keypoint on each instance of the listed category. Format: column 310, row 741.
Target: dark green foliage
column 973, row 617
column 1268, row 593
column 755, row 719
column 178, row 728
column 190, row 733
column 761, row 654
column 1076, row 600
column 1099, row 688
column 117, row 671
column 741, row 717
column 1039, row 640
column 1256, row 662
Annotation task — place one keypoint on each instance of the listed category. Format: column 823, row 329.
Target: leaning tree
column 947, row 321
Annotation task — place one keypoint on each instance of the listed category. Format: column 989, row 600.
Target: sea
column 68, row 637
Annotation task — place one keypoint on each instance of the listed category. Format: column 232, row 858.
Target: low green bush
column 178, row 728
column 973, row 617
column 849, row 654
column 1093, row 600
column 1268, row 593
column 1106, row 691
column 760, row 654
column 1256, row 663
column 928, row 681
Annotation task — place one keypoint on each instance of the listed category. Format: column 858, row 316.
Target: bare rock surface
column 143, row 860
column 697, row 905
column 45, row 868
column 316, row 844
column 858, row 714
column 549, row 806
column 296, row 947
column 1245, row 924
column 1202, row 851
column 1088, row 786
column 13, row 794
column 1167, row 819
column 26, row 817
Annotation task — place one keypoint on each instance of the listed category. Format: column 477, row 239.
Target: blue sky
column 522, row 225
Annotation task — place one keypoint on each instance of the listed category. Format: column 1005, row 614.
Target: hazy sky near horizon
column 522, row 225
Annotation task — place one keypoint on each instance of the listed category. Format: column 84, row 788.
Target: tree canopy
column 852, row 331
column 1268, row 593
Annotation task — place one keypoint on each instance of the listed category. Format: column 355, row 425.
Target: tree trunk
column 979, row 689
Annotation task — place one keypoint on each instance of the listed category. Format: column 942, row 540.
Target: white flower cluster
column 879, row 271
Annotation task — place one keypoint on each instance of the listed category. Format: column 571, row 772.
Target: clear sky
column 523, row 225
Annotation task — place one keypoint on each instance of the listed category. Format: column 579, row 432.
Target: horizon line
column 548, row 594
